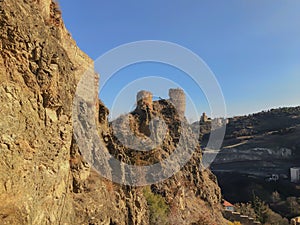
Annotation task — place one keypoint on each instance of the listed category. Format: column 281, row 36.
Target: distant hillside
column 280, row 121
column 258, row 136
column 255, row 147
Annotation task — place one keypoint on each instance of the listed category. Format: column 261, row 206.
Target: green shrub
column 158, row 208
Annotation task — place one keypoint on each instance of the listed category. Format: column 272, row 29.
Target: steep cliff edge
column 43, row 178
column 40, row 66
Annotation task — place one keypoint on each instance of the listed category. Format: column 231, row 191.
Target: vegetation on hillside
column 261, row 211
column 157, row 206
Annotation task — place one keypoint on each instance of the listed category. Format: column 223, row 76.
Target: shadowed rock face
column 43, row 178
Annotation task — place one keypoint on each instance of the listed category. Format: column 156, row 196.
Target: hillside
column 255, row 147
column 45, row 173
column 271, row 139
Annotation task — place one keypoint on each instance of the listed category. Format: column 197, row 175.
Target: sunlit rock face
column 43, row 176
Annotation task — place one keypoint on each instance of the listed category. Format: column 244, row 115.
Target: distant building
column 228, row 206
column 219, row 122
column 204, row 118
column 273, row 177
column 227, row 121
column 295, row 174
column 295, row 221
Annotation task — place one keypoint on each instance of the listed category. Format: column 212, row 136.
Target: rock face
column 43, row 177
column 39, row 66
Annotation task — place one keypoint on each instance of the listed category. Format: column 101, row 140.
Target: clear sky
column 252, row 46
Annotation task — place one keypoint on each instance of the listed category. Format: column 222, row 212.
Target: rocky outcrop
column 38, row 80
column 191, row 195
column 43, row 176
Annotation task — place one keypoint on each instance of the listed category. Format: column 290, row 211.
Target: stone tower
column 177, row 97
column 144, row 109
column 144, row 99
column 204, row 118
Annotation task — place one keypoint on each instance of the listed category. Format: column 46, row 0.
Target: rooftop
column 227, row 204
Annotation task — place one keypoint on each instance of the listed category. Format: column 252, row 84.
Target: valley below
column 256, row 157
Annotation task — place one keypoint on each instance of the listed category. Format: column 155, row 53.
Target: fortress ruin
column 144, row 98
column 177, row 98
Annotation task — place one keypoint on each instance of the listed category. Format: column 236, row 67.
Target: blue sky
column 252, row 47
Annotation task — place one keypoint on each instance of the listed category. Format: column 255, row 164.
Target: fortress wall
column 144, row 98
column 177, row 97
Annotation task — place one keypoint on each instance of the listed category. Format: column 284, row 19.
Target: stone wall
column 177, row 97
column 144, row 98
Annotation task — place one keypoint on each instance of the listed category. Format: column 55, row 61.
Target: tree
column 275, row 219
column 265, row 215
column 157, row 206
column 293, row 205
column 260, row 209
column 245, row 209
column 275, row 197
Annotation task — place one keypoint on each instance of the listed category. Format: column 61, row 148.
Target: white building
column 295, row 221
column 295, row 174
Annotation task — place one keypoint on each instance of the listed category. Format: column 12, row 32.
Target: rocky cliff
column 43, row 177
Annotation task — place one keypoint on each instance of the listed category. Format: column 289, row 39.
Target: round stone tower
column 144, row 98
column 177, row 97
